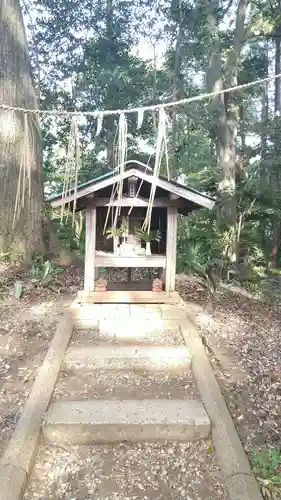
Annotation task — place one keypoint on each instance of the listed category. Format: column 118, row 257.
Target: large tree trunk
column 21, row 193
column 221, row 131
column 225, row 109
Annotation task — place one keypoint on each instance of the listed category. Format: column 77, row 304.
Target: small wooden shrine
column 124, row 243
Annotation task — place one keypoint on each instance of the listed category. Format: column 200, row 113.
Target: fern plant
column 193, row 259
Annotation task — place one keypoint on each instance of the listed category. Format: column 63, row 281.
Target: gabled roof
column 189, row 194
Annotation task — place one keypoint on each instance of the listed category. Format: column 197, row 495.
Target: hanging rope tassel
column 99, row 124
column 77, row 167
column 68, row 167
column 140, row 118
column 117, row 188
column 161, row 147
column 24, row 179
column 121, row 159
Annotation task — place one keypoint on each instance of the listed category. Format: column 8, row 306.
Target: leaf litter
column 241, row 334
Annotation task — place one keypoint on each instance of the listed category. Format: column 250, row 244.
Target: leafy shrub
column 193, row 255
column 266, row 464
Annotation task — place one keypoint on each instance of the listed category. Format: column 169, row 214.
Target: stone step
column 156, row 332
column 117, row 323
column 127, row 471
column 86, row 384
column 88, row 422
column 152, row 358
column 117, row 315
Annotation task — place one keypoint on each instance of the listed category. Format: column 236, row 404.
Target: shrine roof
column 195, row 198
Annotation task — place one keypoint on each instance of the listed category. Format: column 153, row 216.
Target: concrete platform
column 88, row 422
column 129, row 297
column 153, row 358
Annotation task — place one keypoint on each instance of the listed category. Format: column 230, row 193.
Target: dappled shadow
column 242, row 337
column 27, row 327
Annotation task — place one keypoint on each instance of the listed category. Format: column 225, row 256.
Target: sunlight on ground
column 41, row 308
column 132, row 323
column 170, row 355
column 131, row 328
column 37, row 310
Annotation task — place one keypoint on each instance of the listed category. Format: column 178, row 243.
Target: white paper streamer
column 140, row 118
column 99, row 124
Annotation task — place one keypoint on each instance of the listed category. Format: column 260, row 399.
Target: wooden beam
column 90, row 249
column 139, row 202
column 171, row 249
column 173, row 196
column 110, row 260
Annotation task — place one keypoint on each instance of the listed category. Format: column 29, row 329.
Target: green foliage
column 43, row 271
column 70, row 232
column 4, row 256
column 113, row 232
column 148, row 236
column 266, row 465
column 89, row 59
column 194, row 255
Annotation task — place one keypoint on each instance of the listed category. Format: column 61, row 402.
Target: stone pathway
column 126, row 421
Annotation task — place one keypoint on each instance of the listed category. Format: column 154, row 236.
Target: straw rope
column 140, row 109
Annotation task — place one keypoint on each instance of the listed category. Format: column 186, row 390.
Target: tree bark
column 176, row 8
column 225, row 108
column 21, row 186
column 264, row 124
column 264, row 180
column 221, row 131
column 275, row 181
column 110, row 121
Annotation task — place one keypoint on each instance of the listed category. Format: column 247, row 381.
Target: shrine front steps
column 117, row 317
column 115, row 387
column 101, row 421
column 125, row 358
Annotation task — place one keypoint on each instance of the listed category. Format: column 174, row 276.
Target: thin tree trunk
column 110, row 121
column 277, row 145
column 264, row 124
column 264, row 155
column 176, row 6
column 21, row 230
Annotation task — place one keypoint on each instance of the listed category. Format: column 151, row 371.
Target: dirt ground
column 241, row 333
column 27, row 327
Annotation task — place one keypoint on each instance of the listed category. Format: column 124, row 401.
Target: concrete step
column 88, row 422
column 117, row 315
column 83, row 384
column 152, row 358
column 127, row 471
column 116, row 323
column 130, row 332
